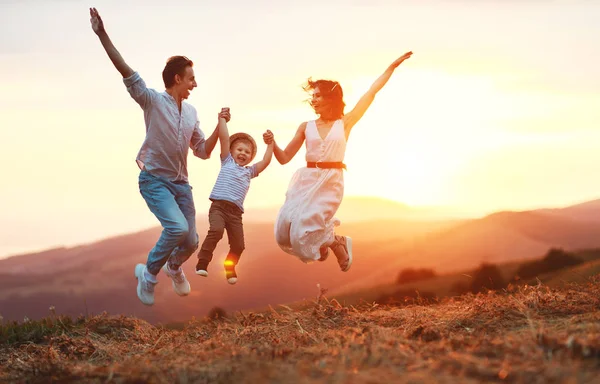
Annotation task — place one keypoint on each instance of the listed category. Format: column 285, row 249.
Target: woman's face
column 318, row 102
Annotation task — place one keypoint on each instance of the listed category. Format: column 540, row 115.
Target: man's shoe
column 180, row 284
column 145, row 288
column 342, row 248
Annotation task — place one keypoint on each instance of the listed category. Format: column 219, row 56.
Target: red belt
column 326, row 165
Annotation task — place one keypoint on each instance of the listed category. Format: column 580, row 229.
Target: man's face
column 186, row 83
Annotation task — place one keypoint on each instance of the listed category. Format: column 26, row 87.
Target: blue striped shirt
column 233, row 182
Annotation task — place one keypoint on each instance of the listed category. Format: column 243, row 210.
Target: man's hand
column 114, row 55
column 225, row 114
column 268, row 137
column 96, row 21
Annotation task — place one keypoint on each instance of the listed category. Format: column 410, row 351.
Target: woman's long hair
column 332, row 93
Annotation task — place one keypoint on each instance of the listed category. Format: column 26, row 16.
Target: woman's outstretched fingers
column 399, row 60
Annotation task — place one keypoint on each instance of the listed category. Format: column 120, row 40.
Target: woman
column 305, row 224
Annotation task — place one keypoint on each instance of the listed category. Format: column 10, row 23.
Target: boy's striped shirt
column 233, row 182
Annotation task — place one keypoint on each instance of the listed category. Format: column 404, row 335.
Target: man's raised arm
column 113, row 54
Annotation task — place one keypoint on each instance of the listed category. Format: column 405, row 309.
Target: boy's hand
column 225, row 114
column 268, row 137
column 96, row 21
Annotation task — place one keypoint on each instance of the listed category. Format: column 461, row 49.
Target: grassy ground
column 530, row 334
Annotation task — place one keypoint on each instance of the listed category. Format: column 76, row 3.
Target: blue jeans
column 173, row 205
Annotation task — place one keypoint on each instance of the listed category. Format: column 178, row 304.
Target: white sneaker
column 202, row 272
column 230, row 274
column 180, row 284
column 145, row 288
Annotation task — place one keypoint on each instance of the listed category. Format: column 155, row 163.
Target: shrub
column 217, row 313
column 555, row 259
column 487, row 277
column 409, row 275
column 460, row 288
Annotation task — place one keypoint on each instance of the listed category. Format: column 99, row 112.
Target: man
column 171, row 127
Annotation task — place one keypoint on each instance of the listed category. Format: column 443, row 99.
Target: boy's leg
column 161, row 201
column 235, row 235
column 216, row 221
column 185, row 201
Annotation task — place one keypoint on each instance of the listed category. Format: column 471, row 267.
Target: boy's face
column 241, row 152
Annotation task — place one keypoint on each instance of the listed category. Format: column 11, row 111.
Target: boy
column 228, row 196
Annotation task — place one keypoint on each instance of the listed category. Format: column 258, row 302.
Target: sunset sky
column 499, row 107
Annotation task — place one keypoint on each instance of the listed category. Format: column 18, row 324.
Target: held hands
column 96, row 21
column 268, row 137
column 401, row 59
column 225, row 114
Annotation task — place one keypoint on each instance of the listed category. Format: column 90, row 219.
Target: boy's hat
column 240, row 135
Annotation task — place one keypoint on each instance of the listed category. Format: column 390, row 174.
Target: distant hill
column 357, row 209
column 96, row 277
column 442, row 285
column 506, row 236
column 587, row 211
column 99, row 277
column 497, row 238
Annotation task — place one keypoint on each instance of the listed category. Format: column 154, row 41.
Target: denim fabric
column 173, row 205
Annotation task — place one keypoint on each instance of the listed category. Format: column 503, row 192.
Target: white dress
column 306, row 221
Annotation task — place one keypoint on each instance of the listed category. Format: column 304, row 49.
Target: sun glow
column 422, row 127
